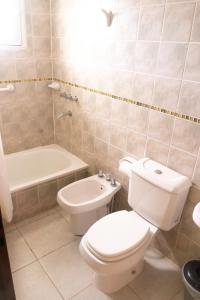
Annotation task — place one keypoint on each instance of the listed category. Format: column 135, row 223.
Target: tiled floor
column 46, row 265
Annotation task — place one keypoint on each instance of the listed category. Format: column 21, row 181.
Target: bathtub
column 31, row 167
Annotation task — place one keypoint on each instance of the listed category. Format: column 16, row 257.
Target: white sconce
column 108, row 16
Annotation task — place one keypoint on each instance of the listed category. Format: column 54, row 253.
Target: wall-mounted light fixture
column 109, row 16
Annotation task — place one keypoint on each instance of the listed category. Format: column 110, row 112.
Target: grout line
column 115, row 97
column 51, row 280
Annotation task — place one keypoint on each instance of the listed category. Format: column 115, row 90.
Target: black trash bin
column 191, row 277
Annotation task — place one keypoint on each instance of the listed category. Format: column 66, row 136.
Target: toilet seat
column 117, row 235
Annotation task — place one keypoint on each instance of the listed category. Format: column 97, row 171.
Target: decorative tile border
column 131, row 101
column 24, row 80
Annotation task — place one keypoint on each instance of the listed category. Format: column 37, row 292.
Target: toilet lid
column 117, row 234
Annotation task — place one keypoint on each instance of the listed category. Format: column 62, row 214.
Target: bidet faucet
column 63, row 114
column 113, row 181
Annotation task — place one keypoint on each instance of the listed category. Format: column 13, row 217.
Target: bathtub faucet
column 68, row 113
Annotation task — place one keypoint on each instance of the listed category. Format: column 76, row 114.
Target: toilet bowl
column 86, row 201
column 114, row 248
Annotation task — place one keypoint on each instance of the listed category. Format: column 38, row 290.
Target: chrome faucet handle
column 100, row 174
column 75, row 98
column 108, row 177
column 113, row 182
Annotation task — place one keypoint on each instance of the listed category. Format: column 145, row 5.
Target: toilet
column 114, row 247
column 86, row 201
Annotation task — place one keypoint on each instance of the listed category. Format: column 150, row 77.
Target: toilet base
column 80, row 223
column 114, row 282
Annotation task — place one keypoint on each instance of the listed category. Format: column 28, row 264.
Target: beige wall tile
column 181, row 162
column 136, row 144
column 42, row 46
column 157, row 151
column 192, row 70
column 166, row 93
column 26, row 68
column 186, row 136
column 7, row 70
column 102, row 129
column 138, row 118
column 171, row 59
column 40, row 6
column 160, row 126
column 189, row 99
column 119, row 112
column 41, row 24
column 118, row 137
column 151, row 22
column 196, row 178
column 47, row 193
column 195, row 37
column 145, row 57
column 127, row 24
column 143, row 88
column 178, row 22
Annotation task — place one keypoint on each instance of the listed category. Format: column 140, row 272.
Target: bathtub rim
column 55, row 175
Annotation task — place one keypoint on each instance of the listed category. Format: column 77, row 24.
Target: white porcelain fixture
column 86, row 201
column 196, row 215
column 114, row 246
column 31, row 167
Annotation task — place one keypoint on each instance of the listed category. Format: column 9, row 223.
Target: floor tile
column 67, row 270
column 19, row 253
column 179, row 296
column 160, row 280
column 37, row 217
column 47, row 234
column 32, row 283
column 91, row 293
column 8, row 227
column 63, row 213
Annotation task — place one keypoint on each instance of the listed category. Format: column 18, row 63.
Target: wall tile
column 160, row 126
column 118, row 137
column 137, row 118
column 47, row 193
column 189, row 99
column 143, row 88
column 41, row 24
column 181, row 162
column 157, row 151
column 102, row 129
column 192, row 70
column 42, row 46
column 151, row 23
column 119, row 112
column 178, row 22
column 7, row 70
column 196, row 178
column 166, row 93
column 127, row 24
column 145, row 57
column 195, row 37
column 186, row 136
column 26, row 68
column 171, row 59
column 40, row 6
column 136, row 144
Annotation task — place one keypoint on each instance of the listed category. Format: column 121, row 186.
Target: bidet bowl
column 86, row 201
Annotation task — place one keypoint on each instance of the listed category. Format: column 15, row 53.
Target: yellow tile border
column 127, row 100
column 131, row 101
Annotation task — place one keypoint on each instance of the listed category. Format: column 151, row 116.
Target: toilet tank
column 157, row 193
